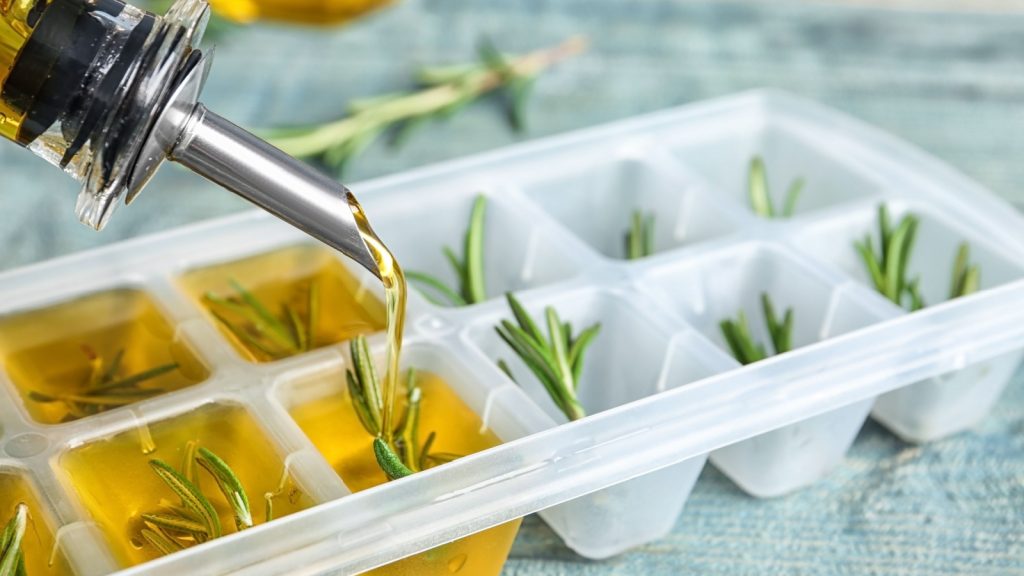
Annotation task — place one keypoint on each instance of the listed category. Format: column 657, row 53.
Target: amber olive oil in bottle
column 297, row 11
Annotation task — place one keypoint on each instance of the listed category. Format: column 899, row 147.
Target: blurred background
column 946, row 75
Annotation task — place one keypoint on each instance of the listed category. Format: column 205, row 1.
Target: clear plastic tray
column 663, row 393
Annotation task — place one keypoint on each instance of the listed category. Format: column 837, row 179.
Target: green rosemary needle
column 557, row 360
column 269, row 336
column 742, row 343
column 406, row 454
column 888, row 267
column 760, row 195
column 12, row 560
column 639, row 239
column 195, row 519
column 105, row 388
column 469, row 270
column 966, row 277
column 446, row 91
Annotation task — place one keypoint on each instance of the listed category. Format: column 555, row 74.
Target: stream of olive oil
column 38, row 543
column 395, row 295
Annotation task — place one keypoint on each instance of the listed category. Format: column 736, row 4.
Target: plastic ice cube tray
column 663, row 392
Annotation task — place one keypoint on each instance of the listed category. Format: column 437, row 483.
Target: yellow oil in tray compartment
column 282, row 282
column 93, row 354
column 332, row 425
column 116, row 484
column 38, row 543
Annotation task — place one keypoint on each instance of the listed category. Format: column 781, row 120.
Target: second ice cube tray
column 663, row 392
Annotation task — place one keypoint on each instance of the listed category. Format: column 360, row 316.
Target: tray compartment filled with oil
column 115, row 479
column 23, row 508
column 451, row 400
column 285, row 302
column 95, row 353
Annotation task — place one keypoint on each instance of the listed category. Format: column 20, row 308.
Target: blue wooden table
column 951, row 82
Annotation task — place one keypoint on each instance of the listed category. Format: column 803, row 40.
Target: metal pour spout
column 108, row 93
column 176, row 126
column 185, row 131
column 190, row 134
column 287, row 188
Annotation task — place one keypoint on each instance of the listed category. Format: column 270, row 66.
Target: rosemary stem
column 428, row 101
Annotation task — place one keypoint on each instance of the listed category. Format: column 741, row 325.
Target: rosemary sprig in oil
column 105, row 387
column 639, row 240
column 446, row 91
column 194, row 519
column 291, row 331
column 12, row 560
column 556, row 360
column 469, row 270
column 742, row 343
column 888, row 266
column 405, row 454
column 760, row 195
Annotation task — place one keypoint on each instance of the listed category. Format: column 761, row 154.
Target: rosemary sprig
column 406, row 454
column 446, row 91
column 12, row 560
column 639, row 239
column 105, row 388
column 271, row 336
column 742, row 343
column 888, row 267
column 557, row 361
column 760, row 195
column 469, row 270
column 966, row 276
column 195, row 520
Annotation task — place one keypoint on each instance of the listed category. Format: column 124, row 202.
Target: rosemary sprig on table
column 888, row 267
column 639, row 240
column 273, row 336
column 446, row 90
column 742, row 343
column 469, row 270
column 406, row 454
column 194, row 519
column 760, row 195
column 105, row 388
column 12, row 559
column 556, row 360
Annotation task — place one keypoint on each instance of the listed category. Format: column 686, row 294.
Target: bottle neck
column 83, row 82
